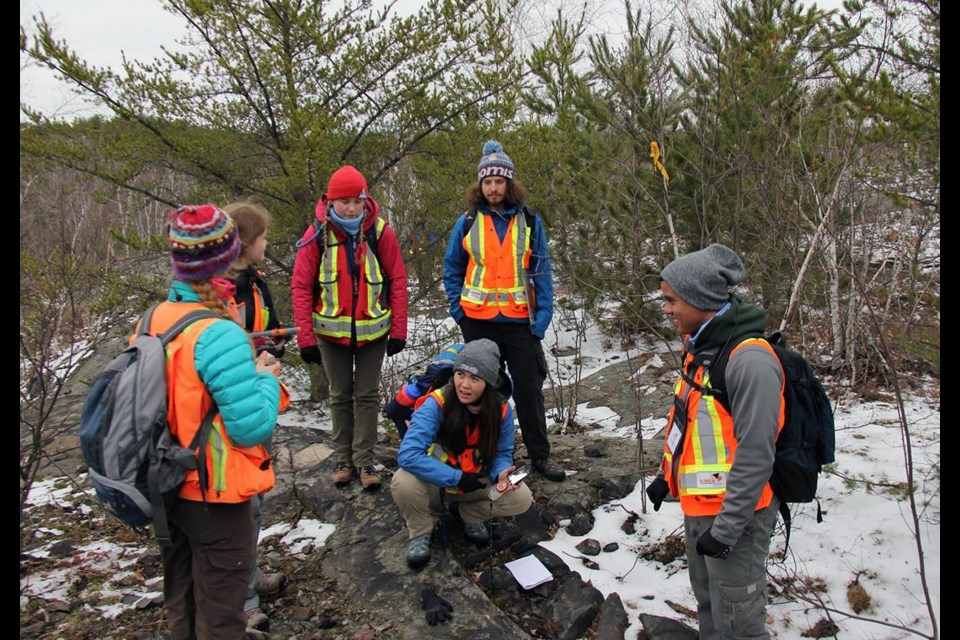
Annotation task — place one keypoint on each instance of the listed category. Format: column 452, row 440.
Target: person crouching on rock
column 460, row 441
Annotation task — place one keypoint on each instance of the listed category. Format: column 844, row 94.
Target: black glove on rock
column 438, row 610
column 395, row 346
column 311, row 354
column 657, row 491
column 469, row 482
column 707, row 545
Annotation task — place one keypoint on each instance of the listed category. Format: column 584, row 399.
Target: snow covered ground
column 866, row 534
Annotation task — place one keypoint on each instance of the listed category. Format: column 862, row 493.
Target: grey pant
column 354, row 377
column 414, row 497
column 732, row 593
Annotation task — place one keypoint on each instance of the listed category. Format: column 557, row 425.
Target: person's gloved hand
column 657, row 491
column 395, row 346
column 469, row 482
column 311, row 354
column 707, row 545
column 438, row 610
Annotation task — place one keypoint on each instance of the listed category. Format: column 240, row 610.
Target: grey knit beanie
column 482, row 359
column 703, row 278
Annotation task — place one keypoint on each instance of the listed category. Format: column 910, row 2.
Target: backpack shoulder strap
column 529, row 215
column 470, row 216
column 186, row 321
column 144, row 327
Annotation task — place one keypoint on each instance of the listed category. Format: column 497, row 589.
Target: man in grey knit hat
column 729, row 508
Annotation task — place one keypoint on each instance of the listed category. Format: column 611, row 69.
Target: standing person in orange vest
column 718, row 462
column 252, row 305
column 350, row 304
column 212, row 375
column 497, row 277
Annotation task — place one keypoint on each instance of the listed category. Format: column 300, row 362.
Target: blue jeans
column 732, row 593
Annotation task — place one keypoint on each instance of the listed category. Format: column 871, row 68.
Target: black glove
column 395, row 346
column 707, row 545
column 311, row 354
column 657, row 491
column 438, row 610
column 469, row 482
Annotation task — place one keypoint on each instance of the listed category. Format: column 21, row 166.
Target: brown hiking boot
column 343, row 474
column 369, row 478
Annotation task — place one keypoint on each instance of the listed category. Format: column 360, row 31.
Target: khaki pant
column 414, row 497
column 354, row 377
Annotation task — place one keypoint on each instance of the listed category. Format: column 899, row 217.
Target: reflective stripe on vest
column 699, row 477
column 497, row 272
column 337, row 313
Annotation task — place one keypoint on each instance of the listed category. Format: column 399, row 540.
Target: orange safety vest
column 340, row 305
column 497, row 274
column 261, row 317
column 468, row 460
column 235, row 474
column 699, row 476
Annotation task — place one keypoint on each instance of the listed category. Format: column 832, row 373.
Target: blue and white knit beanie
column 494, row 162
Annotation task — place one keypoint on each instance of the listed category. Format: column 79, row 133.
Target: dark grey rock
column 610, row 547
column 497, row 578
column 580, row 526
column 62, row 548
column 589, row 547
column 573, row 606
column 596, row 449
column 612, row 624
column 660, row 628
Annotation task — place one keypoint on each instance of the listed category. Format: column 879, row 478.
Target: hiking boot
column 270, row 585
column 418, row 551
column 476, row 532
column 369, row 478
column 257, row 620
column 550, row 470
column 343, row 474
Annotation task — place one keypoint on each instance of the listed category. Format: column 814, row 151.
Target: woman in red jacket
column 350, row 303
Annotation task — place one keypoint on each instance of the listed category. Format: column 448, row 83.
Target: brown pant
column 354, row 377
column 206, row 571
column 414, row 498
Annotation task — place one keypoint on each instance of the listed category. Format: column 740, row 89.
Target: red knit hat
column 346, row 182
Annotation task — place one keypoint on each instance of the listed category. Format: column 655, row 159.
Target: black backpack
column 807, row 440
column 136, row 465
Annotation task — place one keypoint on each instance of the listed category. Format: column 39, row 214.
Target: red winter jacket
column 307, row 266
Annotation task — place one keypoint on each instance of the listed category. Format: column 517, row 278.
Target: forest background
column 807, row 140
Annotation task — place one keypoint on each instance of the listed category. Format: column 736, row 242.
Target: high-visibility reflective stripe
column 218, row 454
column 328, row 275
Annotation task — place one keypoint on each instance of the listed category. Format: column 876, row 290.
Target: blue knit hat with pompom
column 494, row 162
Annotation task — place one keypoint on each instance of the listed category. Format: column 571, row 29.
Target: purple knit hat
column 203, row 242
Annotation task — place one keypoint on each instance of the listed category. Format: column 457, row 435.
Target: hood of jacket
column 371, row 211
column 739, row 322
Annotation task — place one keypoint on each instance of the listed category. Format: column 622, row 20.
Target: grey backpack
column 135, row 463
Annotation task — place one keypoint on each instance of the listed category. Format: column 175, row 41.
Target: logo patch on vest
column 707, row 480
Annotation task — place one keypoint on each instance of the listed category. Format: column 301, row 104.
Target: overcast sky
column 100, row 30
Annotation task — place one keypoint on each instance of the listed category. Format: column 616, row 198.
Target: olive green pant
column 354, row 376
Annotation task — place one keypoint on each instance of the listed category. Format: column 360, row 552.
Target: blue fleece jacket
column 456, row 260
column 424, row 425
column 248, row 399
